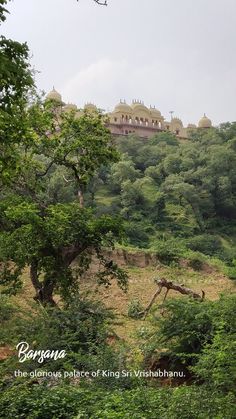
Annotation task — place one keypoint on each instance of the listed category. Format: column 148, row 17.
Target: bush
column 217, row 363
column 137, row 235
column 68, row 402
column 169, row 250
column 196, row 261
column 200, row 335
column 81, row 329
column 231, row 272
column 134, row 309
column 209, row 245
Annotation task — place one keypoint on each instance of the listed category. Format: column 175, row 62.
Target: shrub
column 137, row 234
column 134, row 309
column 230, row 272
column 169, row 250
column 196, row 261
column 217, row 363
column 200, row 334
column 81, row 329
column 69, row 402
column 209, row 245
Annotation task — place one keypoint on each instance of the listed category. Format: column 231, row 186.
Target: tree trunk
column 34, row 275
column 44, row 290
column 45, row 295
column 81, row 197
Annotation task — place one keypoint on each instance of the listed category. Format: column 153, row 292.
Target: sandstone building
column 136, row 118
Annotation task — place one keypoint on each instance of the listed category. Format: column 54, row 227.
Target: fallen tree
column 169, row 285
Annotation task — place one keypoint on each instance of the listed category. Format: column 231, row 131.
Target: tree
column 16, row 83
column 49, row 241
column 42, row 225
column 122, row 171
column 80, row 145
column 38, row 228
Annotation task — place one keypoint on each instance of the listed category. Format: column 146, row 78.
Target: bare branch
column 46, row 171
column 67, row 180
column 101, row 3
column 169, row 285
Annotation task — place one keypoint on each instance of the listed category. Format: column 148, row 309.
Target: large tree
column 47, row 160
column 44, row 227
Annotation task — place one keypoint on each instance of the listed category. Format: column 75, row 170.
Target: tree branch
column 46, row 171
column 169, row 285
column 101, row 3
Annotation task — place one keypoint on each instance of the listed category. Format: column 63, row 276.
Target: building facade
column 136, row 119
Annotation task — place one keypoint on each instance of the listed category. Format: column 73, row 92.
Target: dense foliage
column 44, row 224
column 201, row 336
column 65, row 192
column 176, row 195
column 197, row 334
column 70, row 402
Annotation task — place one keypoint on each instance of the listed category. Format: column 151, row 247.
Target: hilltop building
column 136, row 118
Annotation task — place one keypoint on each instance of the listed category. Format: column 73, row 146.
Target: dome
column 123, row 107
column 70, row 107
column 191, row 126
column 54, row 95
column 155, row 112
column 90, row 107
column 205, row 122
column 176, row 121
column 139, row 106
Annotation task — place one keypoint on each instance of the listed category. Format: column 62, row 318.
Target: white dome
column 54, row 95
column 176, row 121
column 139, row 106
column 205, row 122
column 155, row 113
column 123, row 107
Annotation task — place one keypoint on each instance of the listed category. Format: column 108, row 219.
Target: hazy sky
column 176, row 54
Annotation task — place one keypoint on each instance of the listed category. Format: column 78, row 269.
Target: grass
column 142, row 288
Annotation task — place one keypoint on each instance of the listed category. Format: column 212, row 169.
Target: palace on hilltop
column 135, row 118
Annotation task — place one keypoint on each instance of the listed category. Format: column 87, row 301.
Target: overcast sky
column 176, row 54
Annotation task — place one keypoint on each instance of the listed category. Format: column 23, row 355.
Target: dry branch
column 100, row 2
column 169, row 285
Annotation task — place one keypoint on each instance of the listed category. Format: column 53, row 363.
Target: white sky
column 176, row 54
